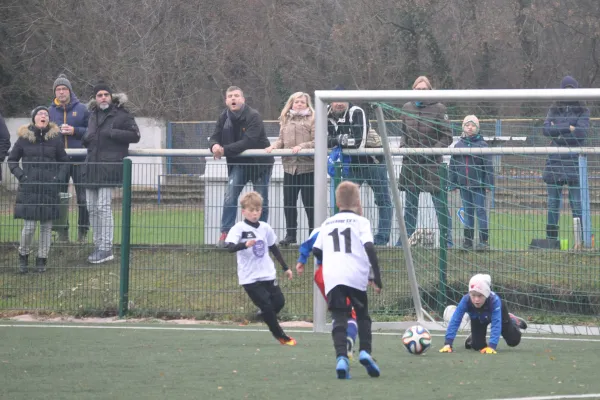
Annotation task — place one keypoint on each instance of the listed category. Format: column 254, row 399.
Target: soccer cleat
column 287, row 341
column 468, row 345
column 369, row 363
column 519, row 322
column 350, row 346
column 342, row 368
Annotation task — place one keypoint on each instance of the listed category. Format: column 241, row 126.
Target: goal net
column 517, row 199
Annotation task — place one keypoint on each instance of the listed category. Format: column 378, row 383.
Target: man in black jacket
column 111, row 129
column 240, row 128
column 4, row 143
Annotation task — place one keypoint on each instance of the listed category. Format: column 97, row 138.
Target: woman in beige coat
column 297, row 132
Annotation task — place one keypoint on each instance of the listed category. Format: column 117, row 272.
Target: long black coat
column 4, row 143
column 107, row 140
column 564, row 168
column 424, row 126
column 44, row 167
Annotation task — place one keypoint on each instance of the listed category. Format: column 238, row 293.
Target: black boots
column 552, row 232
column 469, row 234
column 23, row 263
column 483, row 240
column 289, row 239
column 40, row 264
column 468, row 240
column 82, row 235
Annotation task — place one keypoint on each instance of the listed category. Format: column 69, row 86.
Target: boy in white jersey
column 252, row 240
column 345, row 245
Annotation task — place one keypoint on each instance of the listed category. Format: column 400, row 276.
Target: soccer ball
column 417, row 340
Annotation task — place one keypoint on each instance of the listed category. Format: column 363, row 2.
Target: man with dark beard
column 111, row 129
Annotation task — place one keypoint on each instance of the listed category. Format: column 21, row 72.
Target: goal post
column 511, row 279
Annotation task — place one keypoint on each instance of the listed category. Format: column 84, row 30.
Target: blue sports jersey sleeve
column 496, row 329
column 457, row 317
column 306, row 248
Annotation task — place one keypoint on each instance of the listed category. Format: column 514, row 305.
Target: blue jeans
column 473, row 200
column 239, row 175
column 411, row 210
column 375, row 175
column 555, row 197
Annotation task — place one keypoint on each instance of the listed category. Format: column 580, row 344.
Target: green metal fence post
column 443, row 227
column 125, row 238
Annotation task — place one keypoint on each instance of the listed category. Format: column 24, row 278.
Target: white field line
column 208, row 329
column 557, row 397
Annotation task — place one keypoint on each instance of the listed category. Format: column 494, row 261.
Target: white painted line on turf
column 197, row 329
column 558, row 397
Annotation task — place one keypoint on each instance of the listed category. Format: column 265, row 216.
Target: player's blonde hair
column 251, row 200
column 347, row 197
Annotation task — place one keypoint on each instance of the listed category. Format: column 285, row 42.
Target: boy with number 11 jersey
column 345, row 245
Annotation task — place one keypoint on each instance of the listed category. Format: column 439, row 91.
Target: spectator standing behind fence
column 241, row 128
column 297, row 132
column 4, row 143
column 424, row 125
column 473, row 175
column 111, row 129
column 567, row 125
column 348, row 127
column 44, row 164
column 72, row 118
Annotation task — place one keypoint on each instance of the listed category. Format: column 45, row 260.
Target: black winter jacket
column 239, row 134
column 44, row 167
column 4, row 143
column 563, row 168
column 107, row 141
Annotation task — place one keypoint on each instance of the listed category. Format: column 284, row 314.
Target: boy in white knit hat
column 474, row 176
column 484, row 307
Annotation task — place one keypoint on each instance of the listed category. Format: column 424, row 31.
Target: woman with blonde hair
column 297, row 132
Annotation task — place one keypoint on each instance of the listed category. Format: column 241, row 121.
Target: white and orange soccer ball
column 417, row 340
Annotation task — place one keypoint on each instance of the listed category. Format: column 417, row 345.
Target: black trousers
column 510, row 332
column 267, row 296
column 336, row 301
column 77, row 173
column 292, row 185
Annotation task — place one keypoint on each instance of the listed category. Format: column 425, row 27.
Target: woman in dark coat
column 567, row 125
column 42, row 154
column 424, row 125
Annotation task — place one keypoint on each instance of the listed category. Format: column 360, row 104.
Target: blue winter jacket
column 471, row 170
column 563, row 168
column 76, row 115
column 490, row 312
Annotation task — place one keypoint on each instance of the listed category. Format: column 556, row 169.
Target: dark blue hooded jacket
column 76, row 115
column 563, row 168
column 471, row 170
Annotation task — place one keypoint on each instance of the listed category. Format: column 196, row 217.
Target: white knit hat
column 481, row 283
column 473, row 119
